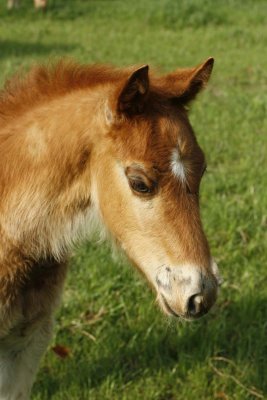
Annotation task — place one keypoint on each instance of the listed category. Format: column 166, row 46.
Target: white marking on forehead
column 177, row 166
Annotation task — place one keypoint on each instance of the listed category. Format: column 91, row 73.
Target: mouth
column 167, row 307
column 185, row 316
column 189, row 294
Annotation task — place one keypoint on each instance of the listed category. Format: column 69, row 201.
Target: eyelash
column 140, row 187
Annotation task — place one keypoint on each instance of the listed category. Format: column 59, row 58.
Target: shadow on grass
column 236, row 332
column 9, row 48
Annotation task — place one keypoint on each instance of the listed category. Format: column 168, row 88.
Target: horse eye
column 139, row 186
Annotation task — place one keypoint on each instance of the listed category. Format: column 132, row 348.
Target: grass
column 121, row 347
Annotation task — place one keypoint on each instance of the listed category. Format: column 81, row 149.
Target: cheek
column 134, row 221
column 114, row 198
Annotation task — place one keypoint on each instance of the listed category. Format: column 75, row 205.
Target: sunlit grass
column 121, row 347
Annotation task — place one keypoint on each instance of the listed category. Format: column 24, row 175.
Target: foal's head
column 149, row 172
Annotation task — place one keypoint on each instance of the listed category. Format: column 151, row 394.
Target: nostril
column 195, row 305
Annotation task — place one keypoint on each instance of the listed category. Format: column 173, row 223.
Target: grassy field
column 121, row 347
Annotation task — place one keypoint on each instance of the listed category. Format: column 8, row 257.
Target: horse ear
column 132, row 98
column 185, row 84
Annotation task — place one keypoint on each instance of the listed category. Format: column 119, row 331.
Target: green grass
column 121, row 347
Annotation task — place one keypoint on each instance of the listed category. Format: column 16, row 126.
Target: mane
column 45, row 82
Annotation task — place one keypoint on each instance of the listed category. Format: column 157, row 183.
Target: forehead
column 153, row 140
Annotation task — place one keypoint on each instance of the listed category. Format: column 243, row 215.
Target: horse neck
column 46, row 200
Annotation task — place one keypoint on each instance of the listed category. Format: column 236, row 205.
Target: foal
column 87, row 148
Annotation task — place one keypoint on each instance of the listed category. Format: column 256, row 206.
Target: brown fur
column 44, row 83
column 21, row 100
column 71, row 139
